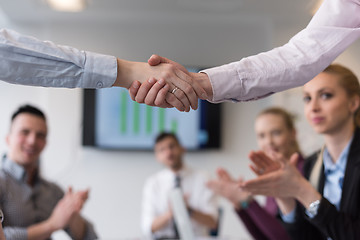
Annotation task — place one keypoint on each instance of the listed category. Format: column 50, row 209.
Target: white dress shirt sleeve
column 28, row 61
column 333, row 28
column 208, row 199
column 148, row 209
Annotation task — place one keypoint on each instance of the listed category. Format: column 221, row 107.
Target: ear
column 354, row 103
column 7, row 139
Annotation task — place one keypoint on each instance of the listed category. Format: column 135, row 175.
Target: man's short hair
column 164, row 135
column 30, row 110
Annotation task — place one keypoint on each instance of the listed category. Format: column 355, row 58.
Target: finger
column 144, row 89
column 191, row 89
column 261, row 181
column 294, row 159
column 153, row 92
column 266, row 160
column 172, row 100
column 257, row 171
column 257, row 161
column 160, row 100
column 134, row 88
column 179, row 94
column 156, row 60
column 225, row 175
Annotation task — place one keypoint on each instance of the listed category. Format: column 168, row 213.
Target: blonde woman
column 275, row 133
column 329, row 203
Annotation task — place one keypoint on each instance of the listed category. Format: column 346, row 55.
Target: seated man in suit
column 157, row 215
column 33, row 207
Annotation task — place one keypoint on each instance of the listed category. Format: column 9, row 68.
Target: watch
column 313, row 208
column 1, row 216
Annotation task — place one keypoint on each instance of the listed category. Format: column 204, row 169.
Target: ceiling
column 185, row 30
column 110, row 11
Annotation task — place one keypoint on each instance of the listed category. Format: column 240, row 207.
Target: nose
column 314, row 105
column 31, row 139
column 268, row 140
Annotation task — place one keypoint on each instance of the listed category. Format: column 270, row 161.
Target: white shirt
column 333, row 28
column 155, row 200
column 29, row 61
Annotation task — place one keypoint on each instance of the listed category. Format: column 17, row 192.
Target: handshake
column 163, row 83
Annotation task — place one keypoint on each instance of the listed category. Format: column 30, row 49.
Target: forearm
column 29, row 61
column 161, row 221
column 203, row 218
column 77, row 227
column 306, row 193
column 286, row 205
column 40, row 231
column 334, row 27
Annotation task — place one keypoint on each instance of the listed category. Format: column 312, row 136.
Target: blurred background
column 200, row 33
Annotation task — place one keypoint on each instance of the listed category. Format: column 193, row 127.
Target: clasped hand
column 174, row 87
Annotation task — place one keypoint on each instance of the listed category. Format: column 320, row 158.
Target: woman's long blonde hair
column 349, row 81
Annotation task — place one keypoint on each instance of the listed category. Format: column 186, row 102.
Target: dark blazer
column 329, row 222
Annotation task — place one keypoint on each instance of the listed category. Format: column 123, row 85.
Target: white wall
column 116, row 178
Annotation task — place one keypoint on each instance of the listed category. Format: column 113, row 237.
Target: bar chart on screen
column 122, row 123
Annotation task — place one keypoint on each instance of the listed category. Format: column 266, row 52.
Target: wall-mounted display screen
column 113, row 121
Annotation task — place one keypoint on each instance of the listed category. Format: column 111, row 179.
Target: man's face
column 26, row 139
column 169, row 152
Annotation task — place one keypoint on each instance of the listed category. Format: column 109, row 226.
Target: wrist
column 307, row 194
column 124, row 73
column 204, row 81
column 50, row 226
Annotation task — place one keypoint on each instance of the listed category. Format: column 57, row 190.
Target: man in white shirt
column 157, row 215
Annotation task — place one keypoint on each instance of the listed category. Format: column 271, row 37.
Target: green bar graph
column 123, row 110
column 148, row 128
column 161, row 122
column 174, row 126
column 136, row 119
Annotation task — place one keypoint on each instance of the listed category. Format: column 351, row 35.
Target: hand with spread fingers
column 284, row 183
column 263, row 164
column 226, row 186
column 281, row 182
column 161, row 93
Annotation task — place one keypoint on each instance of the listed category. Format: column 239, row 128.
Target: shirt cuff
column 290, row 217
column 224, row 91
column 100, row 71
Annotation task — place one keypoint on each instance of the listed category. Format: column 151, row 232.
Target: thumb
column 294, row 159
column 156, row 60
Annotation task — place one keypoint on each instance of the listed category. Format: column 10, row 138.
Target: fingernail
column 151, row 80
column 161, row 81
column 136, row 86
column 204, row 96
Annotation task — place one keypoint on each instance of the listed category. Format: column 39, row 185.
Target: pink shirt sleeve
column 333, row 28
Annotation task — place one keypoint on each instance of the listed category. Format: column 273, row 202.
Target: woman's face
column 328, row 108
column 273, row 135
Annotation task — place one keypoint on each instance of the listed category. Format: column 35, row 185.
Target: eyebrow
column 320, row 90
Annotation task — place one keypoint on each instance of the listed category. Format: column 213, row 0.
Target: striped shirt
column 24, row 205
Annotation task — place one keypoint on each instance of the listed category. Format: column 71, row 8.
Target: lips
column 317, row 120
column 30, row 152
